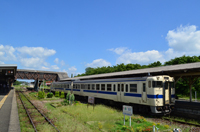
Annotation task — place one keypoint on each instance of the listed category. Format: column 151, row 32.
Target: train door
column 166, row 92
column 119, row 92
column 144, row 93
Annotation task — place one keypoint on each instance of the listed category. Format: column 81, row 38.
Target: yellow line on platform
column 3, row 100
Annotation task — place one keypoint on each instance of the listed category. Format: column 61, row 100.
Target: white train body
column 156, row 92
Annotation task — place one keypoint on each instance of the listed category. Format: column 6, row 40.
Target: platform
column 9, row 120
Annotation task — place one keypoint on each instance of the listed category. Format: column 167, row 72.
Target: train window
column 108, row 87
column 122, row 87
column 126, row 87
column 157, row 84
column 118, row 87
column 144, row 87
column 78, row 86
column 172, row 84
column 166, row 85
column 149, row 84
column 82, row 86
column 93, row 87
column 133, row 88
column 74, row 86
column 103, row 87
column 114, row 87
column 97, row 86
column 88, row 86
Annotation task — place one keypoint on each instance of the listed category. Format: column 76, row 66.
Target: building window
column 102, row 87
column 126, row 87
column 93, row 87
column 108, row 87
column 133, row 88
column 97, row 87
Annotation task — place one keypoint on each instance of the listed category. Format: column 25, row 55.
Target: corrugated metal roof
column 171, row 68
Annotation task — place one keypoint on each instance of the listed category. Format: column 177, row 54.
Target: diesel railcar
column 152, row 93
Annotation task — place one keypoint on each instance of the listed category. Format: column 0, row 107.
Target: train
column 155, row 94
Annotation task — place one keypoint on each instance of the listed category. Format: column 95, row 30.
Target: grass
column 79, row 117
column 34, row 96
column 188, row 97
column 102, row 118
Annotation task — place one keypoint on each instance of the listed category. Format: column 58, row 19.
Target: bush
column 72, row 97
column 62, row 95
column 41, row 94
column 57, row 94
column 50, row 95
column 68, row 95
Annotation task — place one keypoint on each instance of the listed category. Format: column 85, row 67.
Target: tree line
column 181, row 86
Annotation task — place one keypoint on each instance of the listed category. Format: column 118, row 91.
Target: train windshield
column 157, row 84
column 172, row 84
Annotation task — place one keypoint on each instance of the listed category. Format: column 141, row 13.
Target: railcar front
column 161, row 94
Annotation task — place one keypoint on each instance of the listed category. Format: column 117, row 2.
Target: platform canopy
column 176, row 71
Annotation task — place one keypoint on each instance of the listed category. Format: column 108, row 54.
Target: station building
column 7, row 76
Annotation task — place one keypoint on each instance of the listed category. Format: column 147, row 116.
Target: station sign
column 90, row 100
column 127, row 110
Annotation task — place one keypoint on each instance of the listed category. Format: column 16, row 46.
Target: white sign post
column 91, row 101
column 127, row 110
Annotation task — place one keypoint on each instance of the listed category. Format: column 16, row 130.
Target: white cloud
column 36, row 51
column 72, row 69
column 33, row 62
column 119, row 50
column 56, row 60
column 2, row 62
column 45, row 68
column 184, row 39
column 140, row 57
column 98, row 63
column 55, row 67
column 7, row 53
column 62, row 63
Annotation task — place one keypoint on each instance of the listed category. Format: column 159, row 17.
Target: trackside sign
column 127, row 110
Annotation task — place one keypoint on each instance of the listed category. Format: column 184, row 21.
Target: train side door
column 166, row 92
column 144, row 93
column 119, row 92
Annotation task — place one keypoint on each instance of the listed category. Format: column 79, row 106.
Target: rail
column 37, row 110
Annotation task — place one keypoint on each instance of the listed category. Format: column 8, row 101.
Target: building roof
column 172, row 70
column 8, row 65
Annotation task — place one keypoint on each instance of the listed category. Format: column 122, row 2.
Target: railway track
column 34, row 114
column 182, row 122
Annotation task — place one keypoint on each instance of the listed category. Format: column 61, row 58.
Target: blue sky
column 72, row 35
